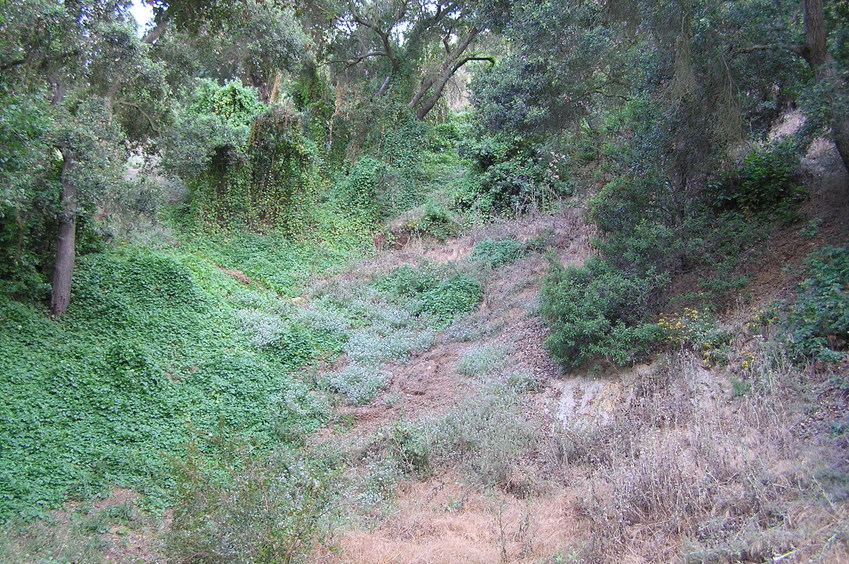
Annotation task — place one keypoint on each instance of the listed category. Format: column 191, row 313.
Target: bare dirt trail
column 444, row 519
column 428, row 382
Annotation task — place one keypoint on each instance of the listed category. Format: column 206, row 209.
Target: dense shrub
column 596, row 310
column 498, row 253
column 437, row 222
column 817, row 324
column 514, row 174
column 765, row 182
column 452, row 297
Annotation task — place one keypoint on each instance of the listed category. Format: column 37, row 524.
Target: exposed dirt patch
column 825, row 222
column 424, row 385
column 445, row 519
column 238, row 275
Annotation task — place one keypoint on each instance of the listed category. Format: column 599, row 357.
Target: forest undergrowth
column 577, row 379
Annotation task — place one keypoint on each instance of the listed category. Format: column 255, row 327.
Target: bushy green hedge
column 597, row 311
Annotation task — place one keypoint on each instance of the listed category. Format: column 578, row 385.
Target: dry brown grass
column 444, row 520
column 685, row 472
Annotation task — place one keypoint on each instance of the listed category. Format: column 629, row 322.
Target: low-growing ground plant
column 452, row 297
column 817, row 324
column 483, row 361
column 498, row 253
column 81, row 534
column 698, row 330
column 359, row 383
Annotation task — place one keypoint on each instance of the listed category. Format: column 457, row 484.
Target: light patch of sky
column 143, row 14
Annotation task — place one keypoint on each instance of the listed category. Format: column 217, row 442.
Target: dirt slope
column 670, row 445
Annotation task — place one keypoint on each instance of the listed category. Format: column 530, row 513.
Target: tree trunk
column 450, row 65
column 840, row 132
column 821, row 62
column 63, row 269
column 816, row 49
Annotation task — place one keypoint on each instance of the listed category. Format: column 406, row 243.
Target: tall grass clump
column 675, row 478
column 487, row 433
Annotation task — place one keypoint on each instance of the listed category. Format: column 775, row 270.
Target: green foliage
column 407, row 281
column 267, row 183
column 596, row 310
column 31, row 174
column 498, row 253
column 437, row 222
column 412, row 448
column 241, row 505
column 401, row 148
column 514, row 174
column 216, row 125
column 87, row 404
column 238, row 105
column 817, row 324
column 450, row 298
column 765, row 182
column 358, row 193
column 272, row 259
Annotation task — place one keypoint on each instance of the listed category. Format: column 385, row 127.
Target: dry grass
column 685, row 472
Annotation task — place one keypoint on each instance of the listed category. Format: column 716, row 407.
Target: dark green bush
column 498, row 253
column 817, row 324
column 597, row 311
column 764, row 183
column 515, row 174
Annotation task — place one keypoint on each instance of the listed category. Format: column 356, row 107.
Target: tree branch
column 796, row 49
column 155, row 33
column 142, row 112
column 360, row 58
